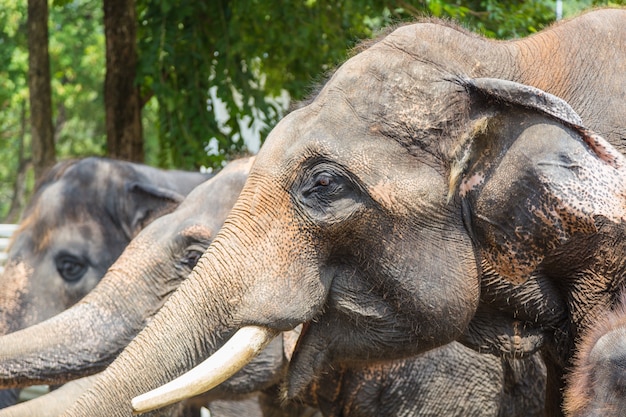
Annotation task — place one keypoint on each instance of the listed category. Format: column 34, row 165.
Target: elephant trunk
column 225, row 292
column 78, row 342
column 148, row 360
column 52, row 404
column 15, row 278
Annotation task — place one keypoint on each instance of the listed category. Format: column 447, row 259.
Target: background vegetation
column 210, row 73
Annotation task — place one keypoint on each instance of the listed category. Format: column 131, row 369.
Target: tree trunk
column 44, row 155
column 121, row 94
column 19, row 187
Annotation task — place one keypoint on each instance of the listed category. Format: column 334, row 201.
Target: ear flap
column 532, row 176
column 146, row 203
column 512, row 93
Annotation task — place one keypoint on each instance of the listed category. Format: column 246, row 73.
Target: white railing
column 6, row 230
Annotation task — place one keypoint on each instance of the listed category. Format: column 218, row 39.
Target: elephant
column 427, row 153
column 202, row 213
column 81, row 217
column 596, row 384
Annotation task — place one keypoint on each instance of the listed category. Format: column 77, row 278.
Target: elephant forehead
column 85, row 237
column 394, row 176
column 52, row 209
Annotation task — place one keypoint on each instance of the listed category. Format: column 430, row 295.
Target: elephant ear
column 145, row 203
column 531, row 176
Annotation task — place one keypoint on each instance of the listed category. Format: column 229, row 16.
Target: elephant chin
column 237, row 352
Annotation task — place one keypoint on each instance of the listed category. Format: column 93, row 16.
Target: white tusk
column 238, row 351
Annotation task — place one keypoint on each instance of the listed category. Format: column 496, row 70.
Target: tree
column 44, row 155
column 195, row 56
column 121, row 94
column 24, row 164
column 76, row 51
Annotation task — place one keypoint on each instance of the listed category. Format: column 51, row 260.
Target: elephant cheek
column 15, row 286
column 286, row 285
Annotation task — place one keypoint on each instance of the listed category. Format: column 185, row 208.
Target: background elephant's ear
column 532, row 176
column 146, row 202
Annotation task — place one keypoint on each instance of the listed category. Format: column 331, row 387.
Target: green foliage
column 13, row 93
column 502, row 20
column 77, row 70
column 247, row 52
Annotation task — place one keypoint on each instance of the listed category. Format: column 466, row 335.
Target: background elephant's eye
column 70, row 267
column 192, row 254
column 191, row 258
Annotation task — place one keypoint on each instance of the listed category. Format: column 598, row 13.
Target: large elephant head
column 81, row 217
column 373, row 200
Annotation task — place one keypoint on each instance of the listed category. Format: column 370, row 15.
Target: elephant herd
column 436, row 232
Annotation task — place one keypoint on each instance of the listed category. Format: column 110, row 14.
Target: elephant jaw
column 237, row 352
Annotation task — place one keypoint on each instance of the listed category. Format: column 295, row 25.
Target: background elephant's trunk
column 80, row 341
column 52, row 404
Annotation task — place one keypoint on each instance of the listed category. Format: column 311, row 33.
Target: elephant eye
column 323, row 180
column 192, row 256
column 70, row 267
column 328, row 193
column 323, row 183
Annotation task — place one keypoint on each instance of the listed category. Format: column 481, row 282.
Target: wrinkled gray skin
column 452, row 380
column 80, row 218
column 197, row 219
column 409, row 153
column 597, row 385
